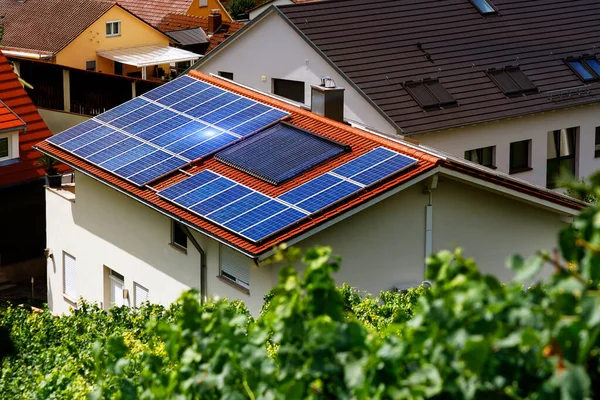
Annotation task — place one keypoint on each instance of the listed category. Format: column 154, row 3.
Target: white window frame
column 112, row 34
column 240, row 261
column 202, row 3
column 136, row 289
column 13, row 145
column 73, row 295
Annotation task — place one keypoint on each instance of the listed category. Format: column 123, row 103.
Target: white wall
column 535, row 127
column 272, row 49
column 256, row 12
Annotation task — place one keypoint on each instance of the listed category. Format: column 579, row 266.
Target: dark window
column 520, row 156
column 430, row 93
column 90, row 65
column 178, row 236
column 483, row 156
column 512, row 80
column 293, row 90
column 561, row 155
column 594, row 65
column 587, row 68
column 226, row 75
column 485, row 7
column 597, row 143
column 4, row 150
column 118, row 68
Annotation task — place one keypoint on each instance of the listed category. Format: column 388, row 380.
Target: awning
column 143, row 56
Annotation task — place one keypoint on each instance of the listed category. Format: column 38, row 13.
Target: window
column 227, row 75
column 520, row 156
column 429, row 93
column 234, row 266
column 9, row 146
column 293, row 90
column 512, row 81
column 484, row 156
column 140, row 294
column 69, row 276
column 587, row 68
column 597, row 143
column 90, row 65
column 178, row 236
column 113, row 28
column 203, row 3
column 561, row 154
column 485, row 7
column 4, row 148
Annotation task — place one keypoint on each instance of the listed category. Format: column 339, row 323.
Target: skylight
column 587, row 68
column 512, row 81
column 430, row 93
column 485, row 7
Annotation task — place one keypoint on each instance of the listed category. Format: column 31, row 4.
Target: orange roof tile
column 360, row 142
column 16, row 99
column 8, row 119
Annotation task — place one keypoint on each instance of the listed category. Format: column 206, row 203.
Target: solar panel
column 165, row 129
column 512, row 81
column 256, row 216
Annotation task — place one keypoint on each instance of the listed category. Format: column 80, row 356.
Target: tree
column 237, row 8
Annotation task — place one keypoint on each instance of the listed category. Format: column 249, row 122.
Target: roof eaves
column 15, row 114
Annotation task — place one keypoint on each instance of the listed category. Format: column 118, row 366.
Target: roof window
column 429, row 93
column 512, row 81
column 485, row 7
column 587, row 68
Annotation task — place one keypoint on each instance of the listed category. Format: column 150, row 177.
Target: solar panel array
column 256, row 216
column 165, row 129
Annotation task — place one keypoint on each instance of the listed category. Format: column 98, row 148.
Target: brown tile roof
column 377, row 47
column 359, row 140
column 175, row 22
column 48, row 25
column 153, row 11
column 14, row 97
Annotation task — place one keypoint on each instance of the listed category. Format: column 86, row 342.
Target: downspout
column 429, row 221
column 203, row 274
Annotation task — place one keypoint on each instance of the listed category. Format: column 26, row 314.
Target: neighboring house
column 92, row 35
column 182, row 187
column 22, row 232
column 510, row 84
column 153, row 11
column 198, row 34
column 261, row 6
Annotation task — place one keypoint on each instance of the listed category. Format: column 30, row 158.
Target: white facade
column 106, row 230
column 259, row 10
column 285, row 54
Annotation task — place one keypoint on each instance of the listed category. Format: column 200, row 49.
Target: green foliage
column 239, row 7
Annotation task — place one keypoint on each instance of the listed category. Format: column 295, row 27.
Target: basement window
column 512, row 81
column 485, row 7
column 430, row 94
column 484, row 156
column 178, row 236
column 113, row 28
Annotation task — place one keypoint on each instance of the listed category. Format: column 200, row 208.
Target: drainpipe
column 203, row 287
column 429, row 220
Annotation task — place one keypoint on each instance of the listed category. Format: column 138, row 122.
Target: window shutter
column 235, row 264
column 70, row 275
column 140, row 294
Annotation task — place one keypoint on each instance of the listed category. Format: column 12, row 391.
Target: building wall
column 290, row 58
column 59, row 121
column 134, row 32
column 535, row 127
column 195, row 9
column 255, row 13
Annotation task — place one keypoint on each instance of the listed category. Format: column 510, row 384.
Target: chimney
column 327, row 99
column 214, row 21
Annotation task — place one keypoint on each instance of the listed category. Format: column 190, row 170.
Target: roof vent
column 327, row 82
column 327, row 99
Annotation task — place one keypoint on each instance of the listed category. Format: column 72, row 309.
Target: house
column 182, row 187
column 494, row 81
column 22, row 233
column 153, row 11
column 198, row 34
column 99, row 36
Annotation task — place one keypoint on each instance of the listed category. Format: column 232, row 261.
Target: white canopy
column 153, row 54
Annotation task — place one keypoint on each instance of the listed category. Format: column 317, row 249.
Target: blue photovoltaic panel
column 175, row 135
column 73, row 132
column 149, row 121
column 123, row 109
column 113, row 151
column 220, row 200
column 90, row 136
column 197, row 99
column 209, row 146
column 328, row 196
column 363, row 162
column 273, row 224
column 163, row 128
column 242, row 116
column 188, row 185
column 259, row 122
column 184, row 93
column 238, row 207
column 228, row 110
column 128, row 157
column 135, row 116
column 212, row 105
column 255, row 216
column 210, row 189
column 383, row 170
column 170, row 87
column 143, row 163
column 296, row 195
column 100, row 144
column 157, row 171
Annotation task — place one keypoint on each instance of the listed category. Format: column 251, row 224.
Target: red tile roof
column 8, row 119
column 14, row 97
column 176, row 22
column 360, row 142
column 153, row 11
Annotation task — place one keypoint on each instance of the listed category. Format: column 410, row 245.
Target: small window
column 512, row 81
column 597, row 143
column 562, row 154
column 587, row 68
column 226, row 75
column 594, row 65
column 113, row 28
column 4, row 148
column 234, row 266
column 140, row 294
column 485, row 7
column 483, row 156
column 178, row 236
column 293, row 90
column 520, row 156
column 430, row 93
column 203, row 3
column 90, row 65
column 69, row 276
